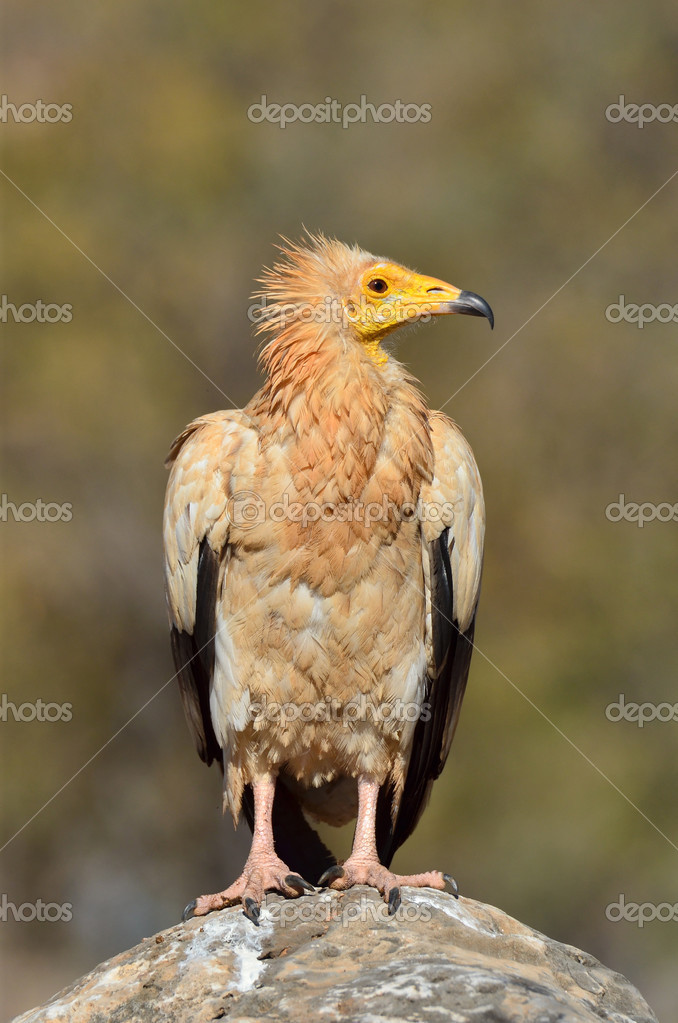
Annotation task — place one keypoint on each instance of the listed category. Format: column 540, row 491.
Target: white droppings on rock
column 243, row 940
column 454, row 908
column 410, row 986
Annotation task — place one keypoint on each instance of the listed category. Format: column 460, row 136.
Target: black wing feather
column 194, row 657
column 444, row 692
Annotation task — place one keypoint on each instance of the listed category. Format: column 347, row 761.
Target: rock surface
column 334, row 956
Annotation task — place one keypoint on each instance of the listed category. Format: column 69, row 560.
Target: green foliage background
column 151, row 212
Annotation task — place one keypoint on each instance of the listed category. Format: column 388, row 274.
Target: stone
column 339, row 956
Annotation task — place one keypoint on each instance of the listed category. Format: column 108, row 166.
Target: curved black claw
column 331, row 874
column 298, row 884
column 451, row 885
column 393, row 900
column 188, row 912
column 252, row 909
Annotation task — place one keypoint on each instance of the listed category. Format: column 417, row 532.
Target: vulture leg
column 264, row 870
column 363, row 866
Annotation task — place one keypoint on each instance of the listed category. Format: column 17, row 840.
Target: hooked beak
column 472, row 305
column 441, row 299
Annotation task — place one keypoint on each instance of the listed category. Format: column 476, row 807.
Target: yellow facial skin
column 389, row 296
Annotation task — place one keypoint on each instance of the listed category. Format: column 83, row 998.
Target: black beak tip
column 473, row 305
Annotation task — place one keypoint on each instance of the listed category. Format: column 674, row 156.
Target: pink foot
column 261, row 874
column 369, row 871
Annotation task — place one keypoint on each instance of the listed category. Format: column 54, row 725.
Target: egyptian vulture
column 323, row 550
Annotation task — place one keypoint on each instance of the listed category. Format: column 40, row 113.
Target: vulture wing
column 207, row 467
column 453, row 528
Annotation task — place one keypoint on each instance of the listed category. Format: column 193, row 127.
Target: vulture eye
column 378, row 286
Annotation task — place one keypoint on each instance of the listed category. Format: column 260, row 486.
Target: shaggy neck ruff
column 342, row 417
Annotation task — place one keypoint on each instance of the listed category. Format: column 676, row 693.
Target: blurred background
column 149, row 212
